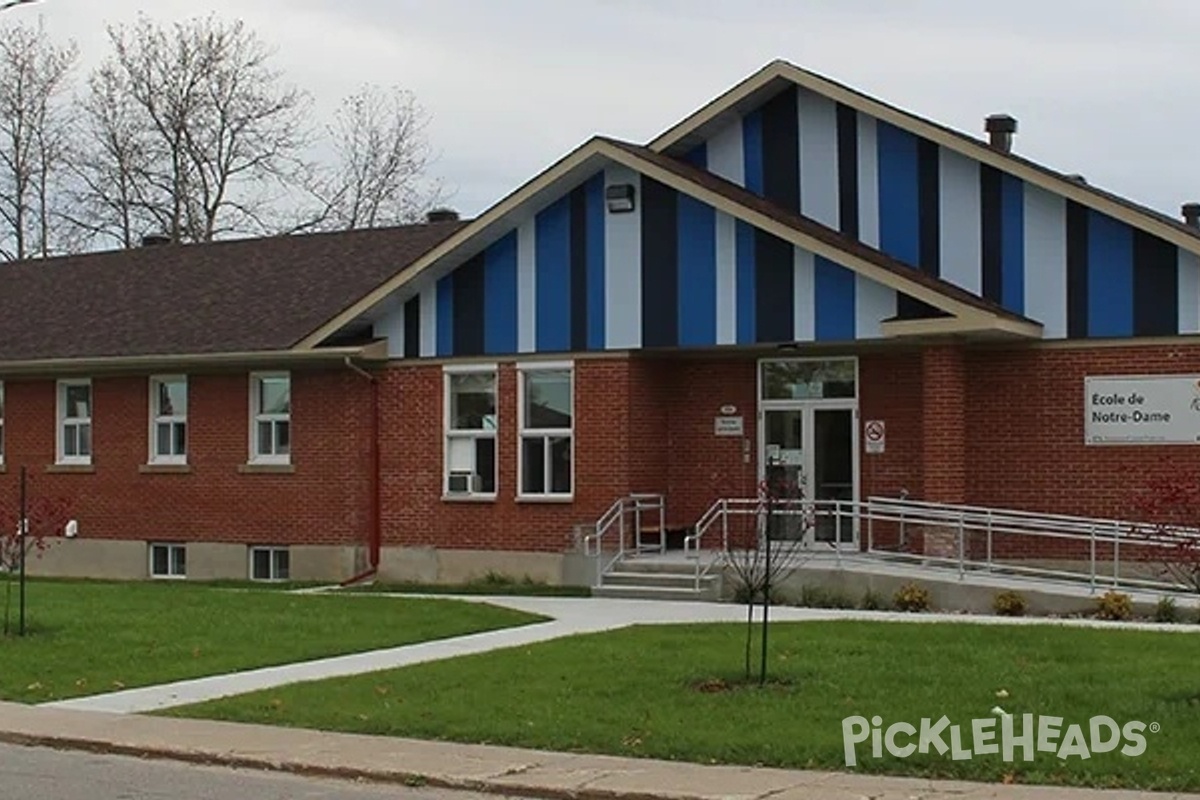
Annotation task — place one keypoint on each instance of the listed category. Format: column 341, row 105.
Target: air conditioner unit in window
column 463, row 482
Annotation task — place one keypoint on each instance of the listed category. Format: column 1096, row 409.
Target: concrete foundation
column 429, row 565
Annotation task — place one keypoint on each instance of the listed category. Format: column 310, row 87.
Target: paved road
column 30, row 773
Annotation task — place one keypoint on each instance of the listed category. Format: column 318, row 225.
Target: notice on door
column 1142, row 410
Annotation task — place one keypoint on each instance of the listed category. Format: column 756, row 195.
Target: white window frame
column 171, row 548
column 545, row 434
column 272, row 565
column 170, row 420
column 449, row 435
column 256, row 416
column 62, row 421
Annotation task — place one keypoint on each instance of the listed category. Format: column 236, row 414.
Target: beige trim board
column 598, row 151
column 946, row 137
column 136, row 364
column 951, row 326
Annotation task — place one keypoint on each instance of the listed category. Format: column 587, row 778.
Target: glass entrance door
column 833, row 472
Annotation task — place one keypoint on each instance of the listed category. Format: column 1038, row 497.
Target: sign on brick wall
column 1143, row 410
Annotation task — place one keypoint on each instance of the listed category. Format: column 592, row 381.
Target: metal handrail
column 631, row 505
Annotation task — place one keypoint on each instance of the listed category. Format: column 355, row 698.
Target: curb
column 406, row 778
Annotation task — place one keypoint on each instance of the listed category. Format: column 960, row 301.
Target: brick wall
column 324, row 502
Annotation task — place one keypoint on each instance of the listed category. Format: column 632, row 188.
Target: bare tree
column 191, row 131
column 33, row 138
column 380, row 174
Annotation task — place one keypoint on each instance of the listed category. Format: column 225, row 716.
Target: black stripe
column 1155, row 286
column 847, row 145
column 781, row 149
column 929, row 207
column 412, row 328
column 579, row 304
column 467, row 285
column 992, row 232
column 774, row 289
column 1077, row 270
column 660, row 265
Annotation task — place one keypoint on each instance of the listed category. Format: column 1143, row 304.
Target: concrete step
column 663, row 580
column 656, row 566
column 653, row 593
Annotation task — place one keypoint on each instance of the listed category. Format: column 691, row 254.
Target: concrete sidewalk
column 501, row 770
column 569, row 616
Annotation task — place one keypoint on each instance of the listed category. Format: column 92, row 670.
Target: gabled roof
column 245, row 296
column 965, row 312
column 778, row 75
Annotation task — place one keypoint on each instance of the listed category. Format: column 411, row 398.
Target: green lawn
column 634, row 692
column 88, row 638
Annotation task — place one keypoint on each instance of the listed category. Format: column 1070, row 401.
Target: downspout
column 375, row 534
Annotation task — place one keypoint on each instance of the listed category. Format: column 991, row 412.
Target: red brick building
column 748, row 290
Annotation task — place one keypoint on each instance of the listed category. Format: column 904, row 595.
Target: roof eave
column 980, row 326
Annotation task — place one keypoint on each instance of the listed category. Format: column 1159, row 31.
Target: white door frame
column 807, row 407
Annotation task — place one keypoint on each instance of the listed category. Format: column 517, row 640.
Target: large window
column 168, row 561
column 547, row 431
column 471, row 431
column 75, row 422
column 168, row 420
column 271, row 412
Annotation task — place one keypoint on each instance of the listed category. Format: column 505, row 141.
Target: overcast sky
column 1106, row 88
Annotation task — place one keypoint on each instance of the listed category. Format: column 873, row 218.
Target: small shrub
column 818, row 597
column 493, row 578
column 911, row 597
column 1010, row 603
column 1167, row 610
column 873, row 601
column 1114, row 605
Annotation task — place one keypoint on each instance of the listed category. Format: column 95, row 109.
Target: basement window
column 168, row 561
column 270, row 564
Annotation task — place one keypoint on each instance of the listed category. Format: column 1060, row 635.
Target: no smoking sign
column 875, row 436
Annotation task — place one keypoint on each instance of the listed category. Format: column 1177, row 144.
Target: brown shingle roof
column 226, row 297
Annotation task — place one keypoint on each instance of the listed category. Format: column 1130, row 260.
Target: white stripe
column 725, row 154
column 804, row 298
column 1189, row 292
column 873, row 303
column 726, row 279
column 429, row 321
column 960, row 226
column 623, row 268
column 390, row 327
column 1046, row 261
column 527, row 287
column 818, row 158
column 868, row 182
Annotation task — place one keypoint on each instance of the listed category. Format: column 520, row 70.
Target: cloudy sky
column 1106, row 88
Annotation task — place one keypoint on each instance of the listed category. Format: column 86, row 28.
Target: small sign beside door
column 875, row 436
column 729, row 426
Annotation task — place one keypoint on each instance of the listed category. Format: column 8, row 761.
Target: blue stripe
column 1110, row 276
column 698, row 155
column 899, row 206
column 445, row 316
column 834, row 290
column 747, row 326
column 500, row 296
column 552, row 272
column 752, row 146
column 697, row 232
column 1012, row 225
column 595, row 263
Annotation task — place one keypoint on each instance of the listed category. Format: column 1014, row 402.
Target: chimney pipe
column 1000, row 129
column 155, row 239
column 1191, row 214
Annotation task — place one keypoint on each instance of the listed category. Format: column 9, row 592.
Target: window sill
column 165, row 469
column 168, row 577
column 266, row 469
column 468, row 498
column 546, row 498
column 81, row 469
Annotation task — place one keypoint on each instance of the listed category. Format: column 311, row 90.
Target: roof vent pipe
column 1191, row 214
column 1000, row 129
column 155, row 239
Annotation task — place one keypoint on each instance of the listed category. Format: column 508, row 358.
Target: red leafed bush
column 46, row 515
column 1170, row 509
